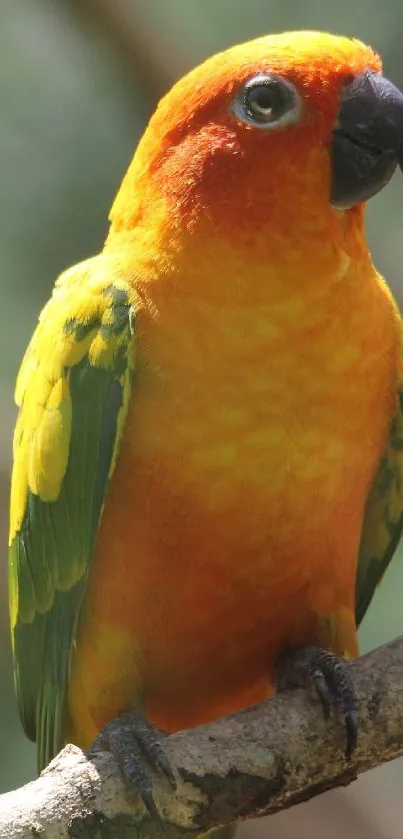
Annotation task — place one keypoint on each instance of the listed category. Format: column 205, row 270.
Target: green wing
column 383, row 520
column 73, row 390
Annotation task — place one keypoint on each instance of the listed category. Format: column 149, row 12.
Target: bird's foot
column 136, row 745
column 312, row 667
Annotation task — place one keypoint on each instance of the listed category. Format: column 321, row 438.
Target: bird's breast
column 264, row 401
column 234, row 514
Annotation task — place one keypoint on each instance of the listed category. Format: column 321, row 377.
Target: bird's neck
column 298, row 254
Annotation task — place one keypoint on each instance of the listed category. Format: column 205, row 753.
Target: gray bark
column 258, row 761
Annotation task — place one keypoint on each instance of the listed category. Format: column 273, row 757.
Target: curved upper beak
column 367, row 141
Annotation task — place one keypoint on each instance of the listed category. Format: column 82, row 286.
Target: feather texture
column 73, row 391
column 383, row 520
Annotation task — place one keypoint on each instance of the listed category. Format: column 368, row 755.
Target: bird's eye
column 267, row 102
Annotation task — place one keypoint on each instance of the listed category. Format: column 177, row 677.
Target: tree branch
column 258, row 761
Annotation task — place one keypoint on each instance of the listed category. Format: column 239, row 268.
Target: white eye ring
column 267, row 102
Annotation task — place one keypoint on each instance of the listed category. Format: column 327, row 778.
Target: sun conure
column 208, row 458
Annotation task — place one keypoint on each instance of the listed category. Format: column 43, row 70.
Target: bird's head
column 282, row 130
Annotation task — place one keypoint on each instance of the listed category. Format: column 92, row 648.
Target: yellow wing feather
column 73, row 392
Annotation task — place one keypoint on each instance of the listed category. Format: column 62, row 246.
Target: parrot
column 207, row 482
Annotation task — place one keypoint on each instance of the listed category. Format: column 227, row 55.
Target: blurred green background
column 79, row 80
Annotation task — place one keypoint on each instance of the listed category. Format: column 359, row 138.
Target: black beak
column 367, row 142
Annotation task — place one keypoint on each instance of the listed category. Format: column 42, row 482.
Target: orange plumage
column 210, row 436
column 261, row 406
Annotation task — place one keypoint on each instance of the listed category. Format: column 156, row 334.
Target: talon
column 153, row 748
column 322, row 692
column 163, row 764
column 330, row 677
column 351, row 724
column 134, row 743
